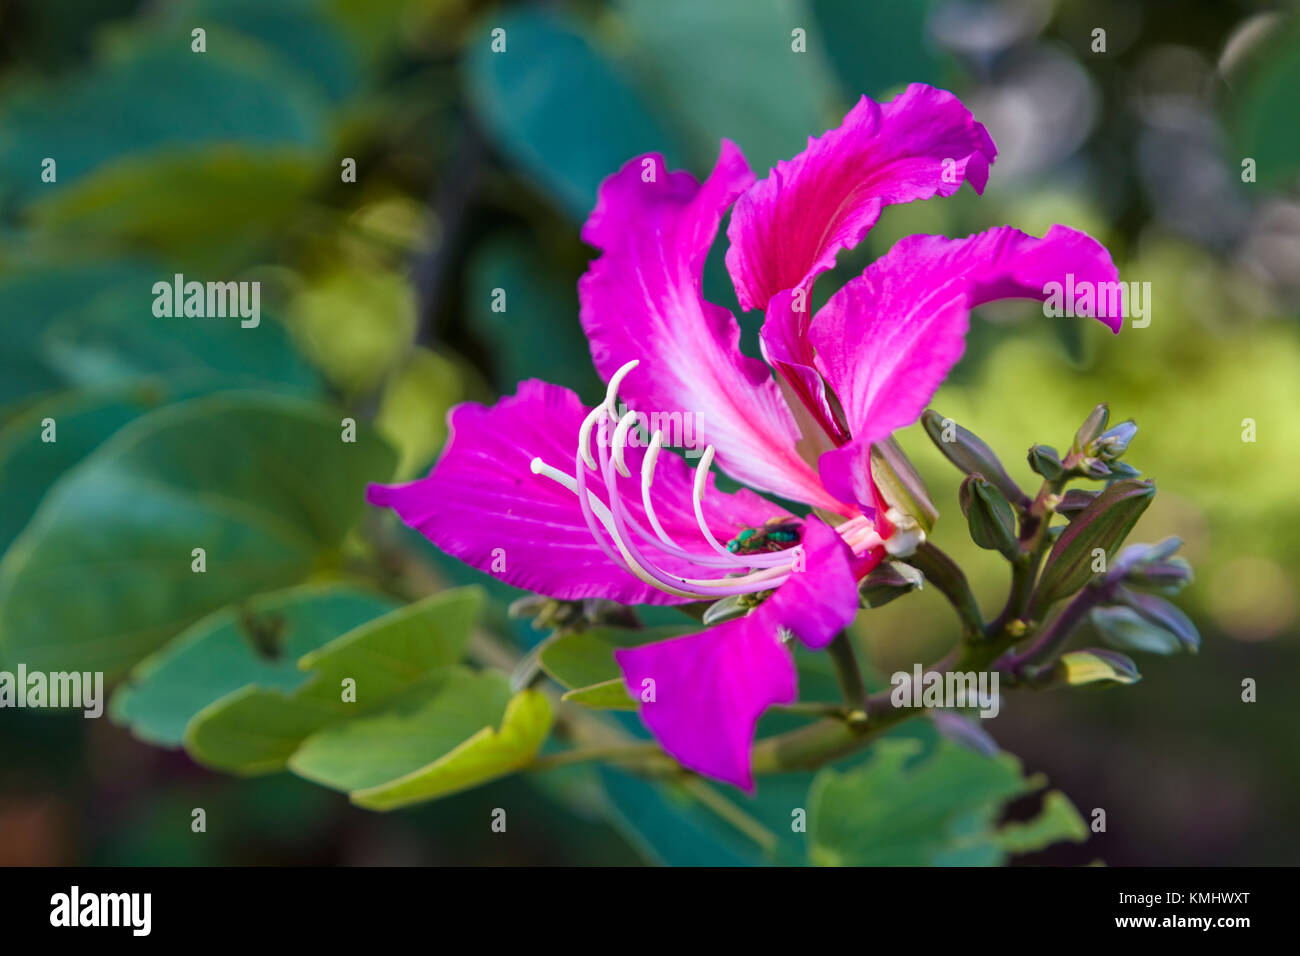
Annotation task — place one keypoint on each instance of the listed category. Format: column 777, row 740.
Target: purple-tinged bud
column 969, row 453
column 887, row 581
column 1046, row 461
column 1091, row 428
column 1111, row 444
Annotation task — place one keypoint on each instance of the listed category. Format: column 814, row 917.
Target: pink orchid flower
column 519, row 490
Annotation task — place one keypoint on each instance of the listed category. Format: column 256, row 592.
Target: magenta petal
column 481, row 503
column 709, row 691
column 888, row 338
column 642, row 299
column 710, row 688
column 786, row 230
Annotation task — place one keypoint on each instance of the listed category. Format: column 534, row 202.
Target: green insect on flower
column 777, row 534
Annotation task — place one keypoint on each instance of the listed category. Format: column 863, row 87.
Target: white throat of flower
column 626, row 541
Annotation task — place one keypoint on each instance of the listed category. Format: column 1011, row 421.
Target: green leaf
column 32, row 299
column 1264, row 114
column 1058, row 821
column 110, row 340
column 899, row 43
column 568, row 128
column 667, row 826
column 583, row 658
column 256, row 730
column 241, row 195
column 1104, row 524
column 897, row 810
column 262, row 483
column 119, row 108
column 550, row 344
column 489, row 754
column 83, row 420
column 726, row 68
column 607, row 695
column 386, row 655
column 256, row 644
column 428, row 721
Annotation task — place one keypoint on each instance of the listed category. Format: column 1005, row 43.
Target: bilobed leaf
column 607, row 695
column 1104, row 524
column 583, row 658
column 489, row 754
column 256, row 730
column 426, row 722
column 942, row 809
column 257, row 643
column 104, row 574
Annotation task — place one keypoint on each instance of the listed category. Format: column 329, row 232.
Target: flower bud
column 1093, row 665
column 1127, row 630
column 1165, row 577
column 900, row 485
column 970, row 454
column 1111, row 444
column 1093, row 468
column 889, row 580
column 1046, row 461
column 1092, row 427
column 989, row 515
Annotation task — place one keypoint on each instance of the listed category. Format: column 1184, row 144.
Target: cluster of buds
column 1120, row 590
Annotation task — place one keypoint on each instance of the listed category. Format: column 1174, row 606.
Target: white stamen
column 647, row 479
column 611, row 392
column 584, row 436
column 620, row 442
column 697, row 500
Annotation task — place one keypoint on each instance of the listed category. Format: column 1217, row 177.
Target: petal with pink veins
column 642, row 299
column 482, row 503
column 887, row 339
column 787, row 229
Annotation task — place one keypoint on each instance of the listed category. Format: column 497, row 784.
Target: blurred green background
column 474, row 171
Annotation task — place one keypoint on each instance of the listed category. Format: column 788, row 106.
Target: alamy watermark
column 1087, row 299
column 83, row 690
column 214, row 300
column 75, row 908
column 950, row 689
